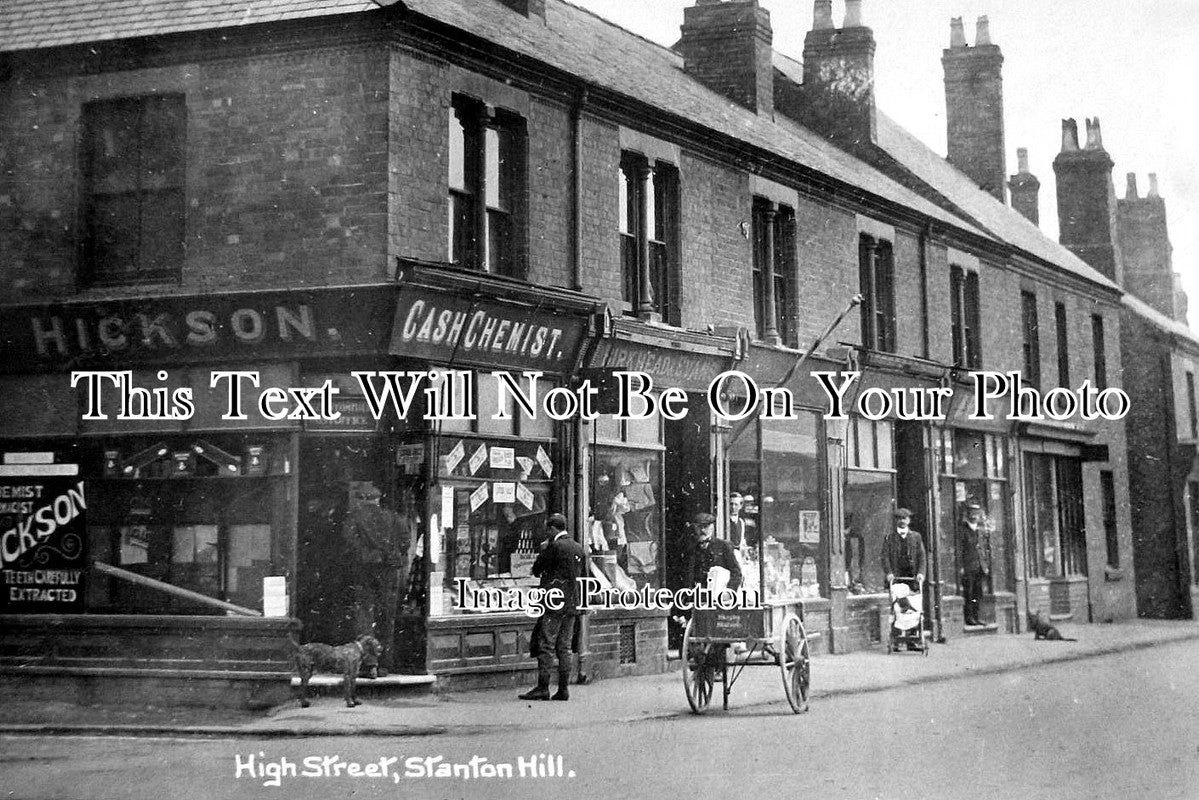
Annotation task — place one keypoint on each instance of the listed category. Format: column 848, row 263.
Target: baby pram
column 907, row 617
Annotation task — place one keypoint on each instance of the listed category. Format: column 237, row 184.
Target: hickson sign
column 184, row 329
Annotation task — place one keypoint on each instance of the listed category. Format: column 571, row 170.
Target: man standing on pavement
column 903, row 557
column 974, row 548
column 559, row 566
column 377, row 543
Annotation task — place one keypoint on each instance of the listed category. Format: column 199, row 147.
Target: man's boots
column 563, row 692
column 539, row 692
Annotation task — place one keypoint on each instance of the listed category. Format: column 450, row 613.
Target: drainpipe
column 925, row 239
column 576, row 198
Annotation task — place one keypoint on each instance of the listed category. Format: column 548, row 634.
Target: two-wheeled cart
column 771, row 636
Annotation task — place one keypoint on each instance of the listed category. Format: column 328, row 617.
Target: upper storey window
column 774, row 272
column 964, row 305
column 649, row 199
column 876, row 273
column 486, row 155
column 133, row 207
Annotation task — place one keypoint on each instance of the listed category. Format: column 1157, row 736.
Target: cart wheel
column 796, row 664
column 698, row 673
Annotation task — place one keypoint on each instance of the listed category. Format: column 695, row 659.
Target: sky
column 1135, row 65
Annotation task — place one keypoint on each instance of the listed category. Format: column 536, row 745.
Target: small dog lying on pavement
column 360, row 655
column 1041, row 629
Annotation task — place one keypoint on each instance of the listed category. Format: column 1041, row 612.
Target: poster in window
column 478, row 458
column 45, row 568
column 503, row 458
column 455, row 456
column 809, row 527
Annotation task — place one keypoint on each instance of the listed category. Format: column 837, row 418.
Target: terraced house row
column 303, row 190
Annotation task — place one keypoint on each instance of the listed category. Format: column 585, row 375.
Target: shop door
column 687, row 491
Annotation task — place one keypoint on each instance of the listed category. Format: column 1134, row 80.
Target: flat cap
column 902, row 512
column 702, row 518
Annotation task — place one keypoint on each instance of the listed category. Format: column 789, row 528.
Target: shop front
column 646, row 479
column 477, row 470
column 182, row 553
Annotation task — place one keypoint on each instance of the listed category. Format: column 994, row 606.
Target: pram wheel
column 699, row 675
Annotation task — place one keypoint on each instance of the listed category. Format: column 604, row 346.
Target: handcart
column 773, row 636
column 907, row 617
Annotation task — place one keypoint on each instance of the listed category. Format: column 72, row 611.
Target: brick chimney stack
column 838, row 72
column 1086, row 199
column 1148, row 255
column 727, row 47
column 974, row 106
column 1025, row 187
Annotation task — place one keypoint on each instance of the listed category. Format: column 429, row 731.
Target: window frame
column 151, row 190
column 1099, row 350
column 648, row 228
column 876, row 279
column 782, row 232
column 964, row 314
column 486, row 213
column 1031, row 344
column 1061, row 325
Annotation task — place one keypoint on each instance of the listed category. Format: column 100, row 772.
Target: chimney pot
column 957, row 34
column 1153, row 185
column 982, row 34
column 853, row 14
column 822, row 15
column 1022, row 160
column 1069, row 135
column 1130, row 191
column 1094, row 136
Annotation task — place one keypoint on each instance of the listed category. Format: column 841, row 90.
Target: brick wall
column 284, row 175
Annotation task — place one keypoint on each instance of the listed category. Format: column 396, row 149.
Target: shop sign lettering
column 180, row 329
column 42, row 545
column 449, row 328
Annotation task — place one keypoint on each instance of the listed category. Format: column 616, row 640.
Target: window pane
column 112, row 147
column 651, row 205
column 490, row 404
column 627, row 204
column 164, row 128
column 868, row 498
column 457, row 154
column 162, row 233
column 491, row 141
column 114, row 234
column 791, row 509
column 628, row 488
column 885, row 437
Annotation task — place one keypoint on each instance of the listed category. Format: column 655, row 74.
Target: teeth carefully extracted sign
column 42, row 544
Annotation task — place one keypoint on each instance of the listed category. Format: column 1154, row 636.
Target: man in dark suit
column 903, row 556
column 559, row 566
column 707, row 551
column 974, row 554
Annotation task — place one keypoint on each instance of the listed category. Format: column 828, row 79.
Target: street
column 1108, row 727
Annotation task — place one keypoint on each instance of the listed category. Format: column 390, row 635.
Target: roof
column 597, row 51
column 30, row 24
column 1001, row 220
column 1159, row 320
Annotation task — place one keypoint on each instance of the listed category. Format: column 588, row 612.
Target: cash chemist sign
column 446, row 328
column 43, row 532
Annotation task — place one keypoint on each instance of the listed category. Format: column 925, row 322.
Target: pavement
column 612, row 701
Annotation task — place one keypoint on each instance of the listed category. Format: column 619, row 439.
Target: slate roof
column 1159, row 320
column 581, row 43
column 30, row 24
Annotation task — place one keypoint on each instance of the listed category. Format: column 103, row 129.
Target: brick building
column 304, row 191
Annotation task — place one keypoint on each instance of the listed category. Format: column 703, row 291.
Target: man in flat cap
column 559, row 566
column 974, row 558
column 707, row 551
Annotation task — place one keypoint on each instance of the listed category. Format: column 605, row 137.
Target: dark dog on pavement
column 1043, row 630
column 360, row 655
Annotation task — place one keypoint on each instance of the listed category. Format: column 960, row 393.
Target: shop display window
column 782, row 506
column 626, row 534
column 492, row 499
column 196, row 513
column 869, row 502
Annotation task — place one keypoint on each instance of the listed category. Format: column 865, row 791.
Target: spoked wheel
column 796, row 663
column 699, row 676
